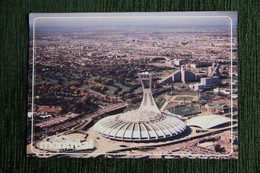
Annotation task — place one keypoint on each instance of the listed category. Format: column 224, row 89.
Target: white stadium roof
column 208, row 121
column 137, row 130
column 144, row 124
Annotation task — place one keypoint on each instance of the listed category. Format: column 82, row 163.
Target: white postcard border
column 132, row 17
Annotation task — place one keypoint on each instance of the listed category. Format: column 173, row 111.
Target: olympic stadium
column 147, row 123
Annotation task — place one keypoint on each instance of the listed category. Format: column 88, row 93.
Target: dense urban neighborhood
column 82, row 76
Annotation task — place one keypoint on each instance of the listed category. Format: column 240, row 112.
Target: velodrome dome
column 144, row 124
column 209, row 121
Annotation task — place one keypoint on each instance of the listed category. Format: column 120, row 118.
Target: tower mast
column 148, row 102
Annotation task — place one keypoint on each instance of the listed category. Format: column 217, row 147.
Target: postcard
column 133, row 85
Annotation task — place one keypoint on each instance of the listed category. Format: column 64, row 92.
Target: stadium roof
column 138, row 127
column 208, row 121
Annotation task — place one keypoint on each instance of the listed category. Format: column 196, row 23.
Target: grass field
column 184, row 111
column 160, row 101
column 52, row 81
column 171, row 104
column 124, row 88
column 138, row 90
column 86, row 87
column 184, row 98
column 110, row 90
column 163, row 73
column 175, row 92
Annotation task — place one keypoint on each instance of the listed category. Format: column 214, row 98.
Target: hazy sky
column 151, row 19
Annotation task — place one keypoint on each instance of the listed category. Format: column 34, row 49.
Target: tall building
column 210, row 81
column 213, row 70
column 205, row 83
column 182, row 75
column 147, row 123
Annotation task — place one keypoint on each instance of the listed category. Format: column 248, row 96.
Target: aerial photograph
column 133, row 85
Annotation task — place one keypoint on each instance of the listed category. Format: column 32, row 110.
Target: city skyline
column 163, row 20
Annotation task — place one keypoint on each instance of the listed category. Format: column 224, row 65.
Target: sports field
column 180, row 98
column 184, row 111
column 184, row 98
